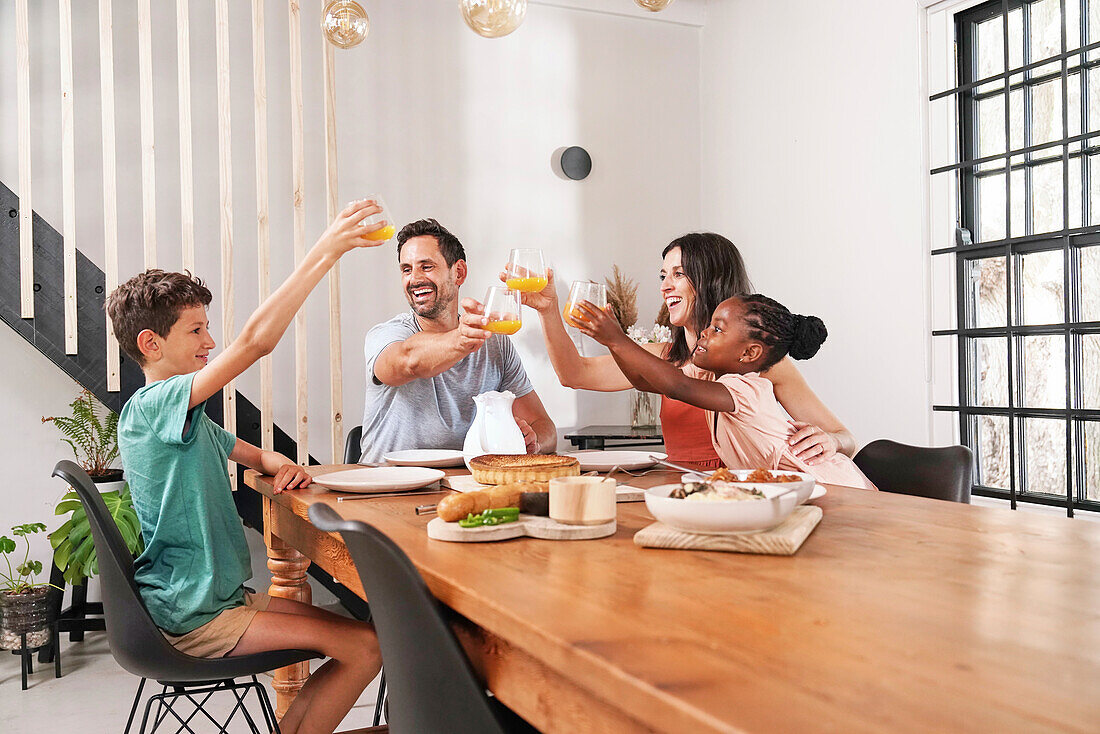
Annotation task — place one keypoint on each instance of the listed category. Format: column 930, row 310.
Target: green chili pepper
column 498, row 516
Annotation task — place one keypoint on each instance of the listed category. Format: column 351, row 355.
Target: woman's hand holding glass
column 543, row 301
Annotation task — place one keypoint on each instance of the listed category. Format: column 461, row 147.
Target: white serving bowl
column 802, row 489
column 723, row 518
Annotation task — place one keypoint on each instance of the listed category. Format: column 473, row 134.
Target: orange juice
column 504, row 327
column 527, row 285
column 381, row 235
column 570, row 313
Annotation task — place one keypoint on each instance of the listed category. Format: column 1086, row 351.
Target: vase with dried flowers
column 622, row 295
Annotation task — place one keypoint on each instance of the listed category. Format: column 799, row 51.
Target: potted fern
column 94, row 439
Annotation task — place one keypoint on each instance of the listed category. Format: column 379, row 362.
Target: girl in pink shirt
column 746, row 336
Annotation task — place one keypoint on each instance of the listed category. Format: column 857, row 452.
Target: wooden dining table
column 898, row 614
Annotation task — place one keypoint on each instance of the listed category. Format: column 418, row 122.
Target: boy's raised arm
column 269, row 322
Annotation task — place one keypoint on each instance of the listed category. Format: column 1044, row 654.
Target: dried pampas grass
column 622, row 296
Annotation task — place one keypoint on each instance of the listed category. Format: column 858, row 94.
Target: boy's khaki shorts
column 221, row 634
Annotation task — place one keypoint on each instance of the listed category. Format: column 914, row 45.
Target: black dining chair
column 432, row 687
column 945, row 473
column 352, row 445
column 140, row 647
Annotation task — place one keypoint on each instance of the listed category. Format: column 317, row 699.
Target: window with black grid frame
column 1027, row 251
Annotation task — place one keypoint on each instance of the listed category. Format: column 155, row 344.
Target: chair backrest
column 945, row 473
column 135, row 641
column 432, row 686
column 352, row 445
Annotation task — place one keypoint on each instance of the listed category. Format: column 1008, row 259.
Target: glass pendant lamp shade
column 345, row 23
column 654, row 6
column 493, row 18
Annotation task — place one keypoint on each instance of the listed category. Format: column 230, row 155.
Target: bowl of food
column 729, row 501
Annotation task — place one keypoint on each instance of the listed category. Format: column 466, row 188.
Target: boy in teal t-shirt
column 191, row 574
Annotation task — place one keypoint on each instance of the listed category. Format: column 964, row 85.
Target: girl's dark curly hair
column 781, row 331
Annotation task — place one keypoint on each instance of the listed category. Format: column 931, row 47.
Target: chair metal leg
column 265, row 707
column 24, row 658
column 381, row 698
column 133, row 709
column 56, row 650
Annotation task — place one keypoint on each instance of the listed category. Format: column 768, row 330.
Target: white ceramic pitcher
column 494, row 430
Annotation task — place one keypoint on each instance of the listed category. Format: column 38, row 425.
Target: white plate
column 379, row 479
column 818, row 493
column 424, row 457
column 608, row 460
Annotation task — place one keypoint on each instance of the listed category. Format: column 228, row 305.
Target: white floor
column 94, row 694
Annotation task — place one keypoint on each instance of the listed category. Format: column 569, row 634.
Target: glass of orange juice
column 526, row 271
column 385, row 233
column 503, row 311
column 583, row 290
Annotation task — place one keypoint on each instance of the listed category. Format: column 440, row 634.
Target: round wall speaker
column 572, row 163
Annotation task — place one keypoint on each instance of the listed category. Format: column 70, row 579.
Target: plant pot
column 112, row 481
column 645, row 408
column 21, row 613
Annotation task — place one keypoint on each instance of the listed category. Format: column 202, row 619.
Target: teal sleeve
column 163, row 407
column 225, row 439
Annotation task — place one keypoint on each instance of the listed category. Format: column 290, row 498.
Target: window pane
column 1019, row 198
column 1015, row 38
column 1046, row 29
column 1044, row 372
column 1090, row 282
column 1046, row 112
column 1075, row 184
column 1094, row 97
column 1046, row 197
column 991, row 48
column 991, row 208
column 1042, row 284
column 1045, row 450
column 1016, row 119
column 1090, row 451
column 991, row 126
column 989, row 292
column 991, row 440
column 1074, row 105
column 1073, row 26
column 989, row 365
column 1090, row 371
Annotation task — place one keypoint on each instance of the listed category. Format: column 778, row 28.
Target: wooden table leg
column 288, row 581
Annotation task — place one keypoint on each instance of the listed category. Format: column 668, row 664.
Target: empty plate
column 608, row 460
column 424, row 457
column 379, row 479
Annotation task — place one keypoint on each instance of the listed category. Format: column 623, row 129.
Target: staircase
column 46, row 332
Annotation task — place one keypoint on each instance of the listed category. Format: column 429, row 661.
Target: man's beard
column 435, row 308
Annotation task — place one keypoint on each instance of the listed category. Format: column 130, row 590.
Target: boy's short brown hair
column 152, row 300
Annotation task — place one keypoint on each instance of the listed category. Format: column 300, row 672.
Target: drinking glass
column 502, row 310
column 387, row 232
column 526, row 271
column 583, row 290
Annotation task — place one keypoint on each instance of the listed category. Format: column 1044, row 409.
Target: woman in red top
column 700, row 270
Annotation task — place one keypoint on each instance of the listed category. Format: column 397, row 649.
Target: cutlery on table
column 377, row 495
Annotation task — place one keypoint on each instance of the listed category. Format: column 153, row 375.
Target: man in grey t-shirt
column 425, row 367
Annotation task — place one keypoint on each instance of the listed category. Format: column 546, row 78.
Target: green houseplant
column 94, row 440
column 22, row 600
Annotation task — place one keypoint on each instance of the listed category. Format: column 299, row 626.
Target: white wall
column 811, row 158
column 438, row 120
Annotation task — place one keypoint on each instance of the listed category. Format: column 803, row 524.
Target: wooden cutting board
column 782, row 540
column 532, row 526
